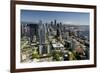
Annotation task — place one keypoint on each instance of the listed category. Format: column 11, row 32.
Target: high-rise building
column 55, row 22
column 33, row 30
column 41, row 33
column 24, row 29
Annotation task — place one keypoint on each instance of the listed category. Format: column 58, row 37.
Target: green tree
column 35, row 54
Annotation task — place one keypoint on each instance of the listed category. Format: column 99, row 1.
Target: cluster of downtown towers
column 53, row 36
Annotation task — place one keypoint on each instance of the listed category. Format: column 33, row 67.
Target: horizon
column 25, row 22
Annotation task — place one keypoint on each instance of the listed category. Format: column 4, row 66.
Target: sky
column 48, row 16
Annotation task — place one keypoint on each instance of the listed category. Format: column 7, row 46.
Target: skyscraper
column 33, row 31
column 41, row 32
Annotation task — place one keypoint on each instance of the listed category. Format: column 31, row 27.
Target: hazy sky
column 48, row 16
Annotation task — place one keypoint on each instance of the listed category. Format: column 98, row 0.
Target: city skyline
column 75, row 18
column 45, row 36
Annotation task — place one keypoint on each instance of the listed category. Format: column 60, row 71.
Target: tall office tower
column 26, row 30
column 33, row 31
column 60, row 30
column 47, row 29
column 23, row 26
column 41, row 31
column 22, row 30
column 55, row 23
column 41, row 34
column 51, row 23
